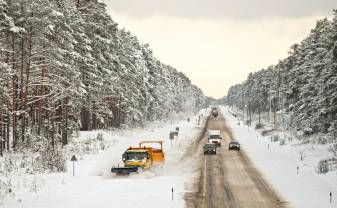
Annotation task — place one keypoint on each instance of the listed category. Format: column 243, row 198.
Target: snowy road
column 229, row 179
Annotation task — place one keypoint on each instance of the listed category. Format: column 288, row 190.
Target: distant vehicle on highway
column 209, row 149
column 214, row 136
column 234, row 145
column 215, row 112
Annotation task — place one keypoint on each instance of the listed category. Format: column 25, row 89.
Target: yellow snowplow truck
column 143, row 157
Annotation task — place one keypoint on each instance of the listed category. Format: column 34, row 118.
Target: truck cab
column 214, row 136
column 137, row 157
column 141, row 157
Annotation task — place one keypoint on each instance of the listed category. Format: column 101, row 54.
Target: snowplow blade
column 124, row 170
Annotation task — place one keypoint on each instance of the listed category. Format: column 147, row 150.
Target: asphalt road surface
column 228, row 179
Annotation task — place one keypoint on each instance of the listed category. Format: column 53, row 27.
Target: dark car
column 215, row 113
column 209, row 149
column 234, row 145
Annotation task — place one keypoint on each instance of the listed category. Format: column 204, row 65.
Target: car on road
column 214, row 136
column 215, row 113
column 234, row 145
column 209, row 149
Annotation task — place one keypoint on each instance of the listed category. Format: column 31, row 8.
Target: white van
column 214, row 136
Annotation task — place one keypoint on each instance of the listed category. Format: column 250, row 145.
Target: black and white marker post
column 172, row 135
column 73, row 159
column 172, row 193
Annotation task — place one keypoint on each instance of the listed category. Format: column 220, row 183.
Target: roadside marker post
column 330, row 197
column 172, row 193
column 298, row 169
column 172, row 135
column 73, row 159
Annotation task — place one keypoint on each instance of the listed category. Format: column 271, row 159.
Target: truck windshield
column 136, row 155
column 214, row 137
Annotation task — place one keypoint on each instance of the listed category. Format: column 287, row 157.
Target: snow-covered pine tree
column 303, row 85
column 65, row 65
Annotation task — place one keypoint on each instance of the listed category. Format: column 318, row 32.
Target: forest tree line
column 301, row 88
column 65, row 65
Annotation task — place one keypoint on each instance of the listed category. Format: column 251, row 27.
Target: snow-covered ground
column 94, row 186
column 278, row 163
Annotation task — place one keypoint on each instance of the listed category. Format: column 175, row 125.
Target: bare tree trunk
column 3, row 132
column 247, row 112
column 25, row 107
column 23, row 115
column 259, row 114
column 119, row 112
column 33, row 107
column 274, row 117
column 53, row 136
column 7, row 129
column 268, row 110
column 51, row 115
column 7, row 122
column 1, row 116
column 250, row 114
column 14, row 109
column 41, row 101
column 93, row 116
column 14, row 99
column 65, row 122
column 1, row 127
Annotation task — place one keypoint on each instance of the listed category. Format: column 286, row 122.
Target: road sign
column 172, row 134
column 73, row 159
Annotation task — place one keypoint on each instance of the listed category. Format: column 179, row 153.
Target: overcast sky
column 216, row 43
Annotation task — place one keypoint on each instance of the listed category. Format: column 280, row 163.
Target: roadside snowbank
column 94, row 185
column 279, row 163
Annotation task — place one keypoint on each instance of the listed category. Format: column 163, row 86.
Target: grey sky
column 234, row 9
column 216, row 43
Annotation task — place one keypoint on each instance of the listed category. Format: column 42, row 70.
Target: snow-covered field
column 94, row 186
column 278, row 163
